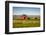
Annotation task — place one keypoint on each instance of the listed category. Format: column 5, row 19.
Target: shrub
column 28, row 18
column 35, row 17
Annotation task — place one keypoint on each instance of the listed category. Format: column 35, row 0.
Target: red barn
column 23, row 17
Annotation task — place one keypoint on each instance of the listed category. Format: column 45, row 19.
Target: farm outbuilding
column 23, row 17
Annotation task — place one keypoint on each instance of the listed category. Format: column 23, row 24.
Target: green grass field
column 26, row 23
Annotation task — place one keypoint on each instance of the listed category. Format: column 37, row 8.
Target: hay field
column 26, row 23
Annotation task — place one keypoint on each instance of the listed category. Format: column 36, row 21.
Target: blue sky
column 26, row 10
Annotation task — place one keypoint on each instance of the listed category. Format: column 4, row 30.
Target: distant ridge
column 27, row 15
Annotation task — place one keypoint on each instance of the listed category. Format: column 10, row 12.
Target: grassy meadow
column 18, row 23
